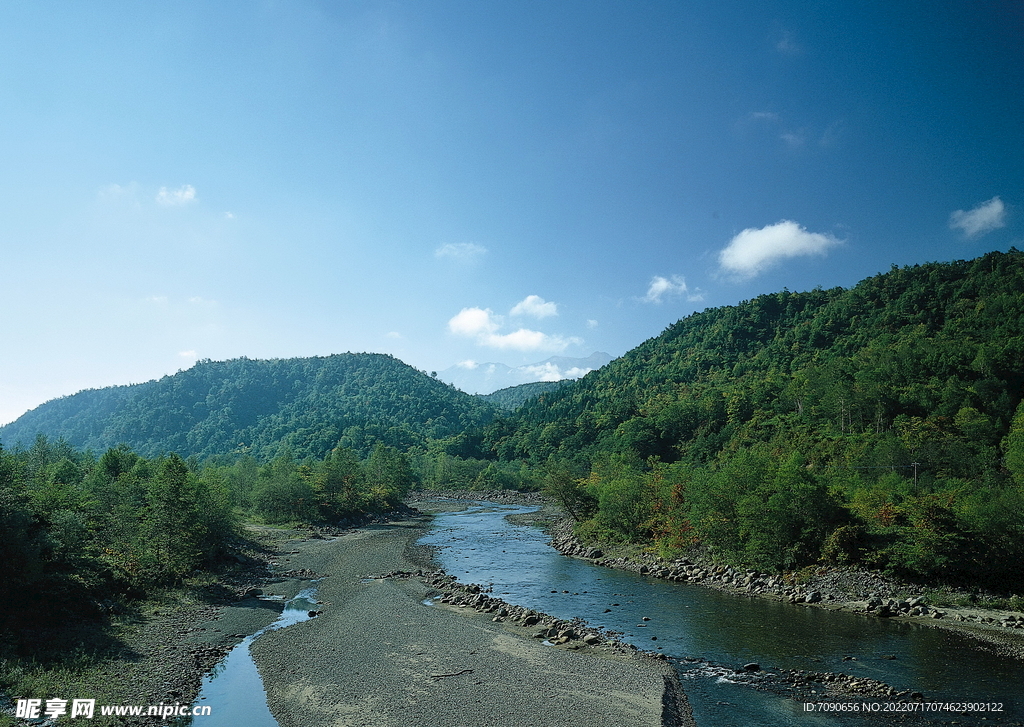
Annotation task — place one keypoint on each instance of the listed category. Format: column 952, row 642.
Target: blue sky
column 474, row 181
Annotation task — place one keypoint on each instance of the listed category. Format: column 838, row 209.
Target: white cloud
column 469, row 364
column 591, row 323
column 393, row 334
column 549, row 371
column 463, row 251
column 544, row 372
column 523, row 340
column 483, row 325
column 987, row 216
column 534, row 305
column 575, row 372
column 229, row 215
column 474, row 322
column 176, row 197
column 661, row 287
column 157, row 299
column 754, row 250
column 187, row 354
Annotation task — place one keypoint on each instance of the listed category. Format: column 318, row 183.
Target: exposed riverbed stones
column 837, row 588
column 573, row 634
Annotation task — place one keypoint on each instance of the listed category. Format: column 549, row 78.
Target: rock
column 752, row 666
column 812, row 597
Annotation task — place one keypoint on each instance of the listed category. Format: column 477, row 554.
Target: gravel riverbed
column 376, row 655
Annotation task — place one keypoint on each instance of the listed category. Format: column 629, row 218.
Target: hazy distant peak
column 484, row 378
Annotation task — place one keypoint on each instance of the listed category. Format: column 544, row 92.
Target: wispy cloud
column 661, row 287
column 793, row 139
column 183, row 195
column 483, row 325
column 832, row 135
column 987, row 216
column 787, row 45
column 187, row 354
column 754, row 250
column 534, row 305
column 462, row 251
column 549, row 371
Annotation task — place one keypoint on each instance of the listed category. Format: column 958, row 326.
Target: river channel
column 724, row 631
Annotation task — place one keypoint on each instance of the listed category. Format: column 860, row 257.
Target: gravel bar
column 377, row 656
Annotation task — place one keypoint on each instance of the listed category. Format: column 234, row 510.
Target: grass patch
column 959, row 599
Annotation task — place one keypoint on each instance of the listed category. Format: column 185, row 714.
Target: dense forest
column 511, row 398
column 880, row 426
column 260, row 408
column 80, row 535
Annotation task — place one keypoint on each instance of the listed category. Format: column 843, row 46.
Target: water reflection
column 234, row 688
column 479, row 545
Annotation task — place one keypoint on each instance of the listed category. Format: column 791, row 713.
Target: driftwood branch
column 455, row 674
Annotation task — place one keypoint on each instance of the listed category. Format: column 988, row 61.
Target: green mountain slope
column 921, row 341
column 512, row 397
column 256, row 407
column 872, row 423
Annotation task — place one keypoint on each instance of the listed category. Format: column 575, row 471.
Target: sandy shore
column 378, row 656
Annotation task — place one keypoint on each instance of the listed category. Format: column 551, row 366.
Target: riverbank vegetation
column 78, row 532
column 879, row 426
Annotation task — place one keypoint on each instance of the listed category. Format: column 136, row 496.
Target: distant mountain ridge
column 513, row 397
column 487, row 378
column 258, row 407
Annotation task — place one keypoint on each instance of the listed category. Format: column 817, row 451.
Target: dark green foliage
column 75, row 531
column 253, row 407
column 871, row 425
column 1013, row 446
column 566, row 487
column 283, row 493
column 512, row 397
column 436, row 469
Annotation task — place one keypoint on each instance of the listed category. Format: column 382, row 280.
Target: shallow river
column 479, row 545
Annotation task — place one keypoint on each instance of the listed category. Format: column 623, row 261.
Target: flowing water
column 234, row 688
column 683, row 621
column 479, row 545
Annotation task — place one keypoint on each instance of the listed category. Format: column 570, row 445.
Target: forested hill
column 255, row 407
column 512, row 397
column 880, row 425
column 922, row 342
